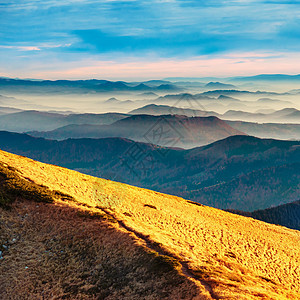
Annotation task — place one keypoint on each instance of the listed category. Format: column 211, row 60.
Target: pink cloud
column 22, row 48
column 225, row 65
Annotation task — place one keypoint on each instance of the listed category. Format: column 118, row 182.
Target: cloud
column 54, row 30
column 223, row 65
column 22, row 48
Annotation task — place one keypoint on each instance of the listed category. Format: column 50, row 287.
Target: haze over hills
column 8, row 110
column 271, row 81
column 268, row 130
column 34, row 120
column 11, row 101
column 116, row 101
column 156, row 110
column 273, row 101
column 286, row 115
column 255, row 173
column 15, row 120
column 249, row 100
column 262, row 130
column 239, row 93
column 79, row 86
column 218, row 96
column 128, row 235
column 168, row 130
column 269, row 77
column 219, row 86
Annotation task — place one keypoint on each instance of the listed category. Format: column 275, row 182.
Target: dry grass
column 13, row 185
column 63, row 251
column 229, row 256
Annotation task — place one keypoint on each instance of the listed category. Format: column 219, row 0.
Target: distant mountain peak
column 112, row 100
column 219, row 85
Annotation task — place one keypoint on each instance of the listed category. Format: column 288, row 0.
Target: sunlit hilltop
column 217, row 254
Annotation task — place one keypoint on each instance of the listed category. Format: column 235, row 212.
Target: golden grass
column 58, row 251
column 228, row 256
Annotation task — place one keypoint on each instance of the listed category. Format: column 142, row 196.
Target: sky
column 75, row 39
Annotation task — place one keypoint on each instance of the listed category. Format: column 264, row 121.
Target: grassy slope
column 225, row 255
column 57, row 251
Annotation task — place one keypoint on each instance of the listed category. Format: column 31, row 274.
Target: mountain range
column 268, row 77
column 268, row 130
column 157, row 110
column 274, row 130
column 283, row 115
column 219, row 86
column 239, row 172
column 168, row 130
column 27, row 121
column 81, row 86
column 32, row 120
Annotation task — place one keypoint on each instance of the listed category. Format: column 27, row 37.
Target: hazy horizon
column 204, row 79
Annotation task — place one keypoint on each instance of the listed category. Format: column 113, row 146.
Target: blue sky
column 82, row 39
